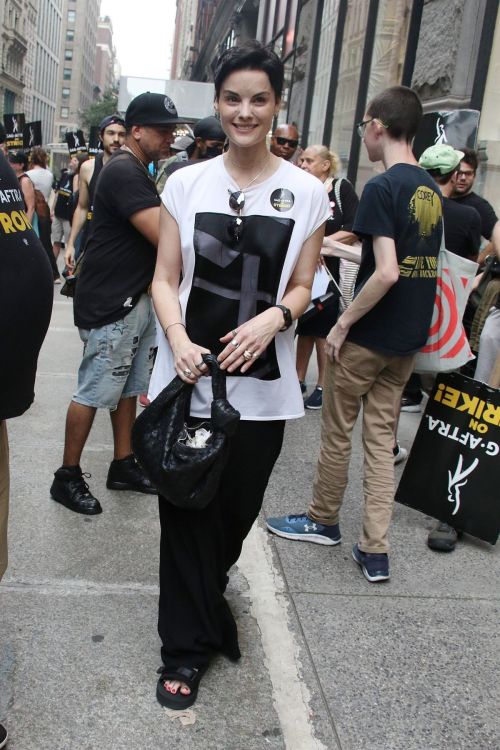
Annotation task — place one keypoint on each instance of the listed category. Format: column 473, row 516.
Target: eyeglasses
column 236, row 203
column 360, row 126
column 284, row 141
column 465, row 173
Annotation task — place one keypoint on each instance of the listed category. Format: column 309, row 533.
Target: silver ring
column 235, row 343
column 233, row 333
column 202, row 364
column 188, row 373
column 248, row 355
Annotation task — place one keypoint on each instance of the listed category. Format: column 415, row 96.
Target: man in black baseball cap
column 207, row 142
column 112, row 304
column 152, row 109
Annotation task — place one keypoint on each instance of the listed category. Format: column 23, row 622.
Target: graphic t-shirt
column 404, row 204
column 119, row 261
column 26, row 293
column 227, row 281
column 484, row 209
column 63, row 208
column 462, row 228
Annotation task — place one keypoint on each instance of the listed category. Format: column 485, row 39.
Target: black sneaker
column 375, row 566
column 3, row 736
column 303, row 387
column 411, row 404
column 71, row 490
column 126, row 474
column 442, row 538
column 315, row 400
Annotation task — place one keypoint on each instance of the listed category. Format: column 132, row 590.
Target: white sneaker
column 400, row 454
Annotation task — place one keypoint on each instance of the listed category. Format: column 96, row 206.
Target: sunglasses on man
column 286, row 142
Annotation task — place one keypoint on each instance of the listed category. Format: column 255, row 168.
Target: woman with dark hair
column 244, row 231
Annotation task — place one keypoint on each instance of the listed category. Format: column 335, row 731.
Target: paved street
column 329, row 660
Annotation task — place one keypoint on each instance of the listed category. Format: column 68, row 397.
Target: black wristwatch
column 287, row 317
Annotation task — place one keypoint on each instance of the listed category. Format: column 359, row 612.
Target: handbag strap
column 336, row 192
column 218, row 376
column 335, row 284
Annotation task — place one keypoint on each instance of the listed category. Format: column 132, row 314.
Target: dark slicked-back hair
column 251, row 55
column 470, row 158
column 399, row 109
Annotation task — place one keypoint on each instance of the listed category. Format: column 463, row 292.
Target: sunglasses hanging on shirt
column 237, row 203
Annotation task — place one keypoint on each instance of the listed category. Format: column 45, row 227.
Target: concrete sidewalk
column 329, row 661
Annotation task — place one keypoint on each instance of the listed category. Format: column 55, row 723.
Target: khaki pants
column 4, row 495
column 376, row 380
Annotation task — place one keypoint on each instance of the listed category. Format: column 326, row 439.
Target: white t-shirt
column 226, row 282
column 42, row 179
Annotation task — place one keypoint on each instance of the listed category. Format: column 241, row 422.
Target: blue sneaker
column 375, row 566
column 302, row 529
column 303, row 387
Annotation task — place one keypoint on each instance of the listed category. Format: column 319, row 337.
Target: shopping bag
column 447, row 347
column 453, row 470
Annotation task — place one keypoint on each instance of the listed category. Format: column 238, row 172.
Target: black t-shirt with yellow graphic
column 404, row 204
column 26, row 293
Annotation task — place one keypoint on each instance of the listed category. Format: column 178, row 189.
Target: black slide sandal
column 190, row 676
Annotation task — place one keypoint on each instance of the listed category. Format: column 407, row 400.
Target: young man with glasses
column 463, row 193
column 372, row 346
column 284, row 141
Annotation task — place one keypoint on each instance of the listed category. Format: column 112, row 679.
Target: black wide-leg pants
column 197, row 549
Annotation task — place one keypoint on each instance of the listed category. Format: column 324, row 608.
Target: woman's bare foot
column 172, row 686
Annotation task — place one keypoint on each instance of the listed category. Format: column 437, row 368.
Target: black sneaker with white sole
column 375, row 565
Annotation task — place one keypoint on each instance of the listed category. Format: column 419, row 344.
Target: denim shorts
column 117, row 358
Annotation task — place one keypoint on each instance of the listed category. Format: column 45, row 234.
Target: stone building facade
column 183, row 50
column 104, row 75
column 17, row 33
column 41, row 98
column 76, row 87
column 340, row 53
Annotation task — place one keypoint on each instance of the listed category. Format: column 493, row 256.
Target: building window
column 71, row 16
column 68, row 54
column 65, row 93
column 64, row 113
column 67, row 74
column 70, row 35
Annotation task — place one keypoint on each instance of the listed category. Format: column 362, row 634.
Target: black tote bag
column 186, row 476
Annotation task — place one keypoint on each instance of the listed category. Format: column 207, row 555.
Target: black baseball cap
column 153, row 109
column 209, row 129
column 115, row 119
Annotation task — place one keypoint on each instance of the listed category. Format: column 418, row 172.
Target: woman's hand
column 188, row 358
column 247, row 342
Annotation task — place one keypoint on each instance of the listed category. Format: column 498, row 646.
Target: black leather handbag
column 163, row 435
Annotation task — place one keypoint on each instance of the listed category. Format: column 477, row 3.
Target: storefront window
column 347, row 87
column 322, row 80
column 387, row 66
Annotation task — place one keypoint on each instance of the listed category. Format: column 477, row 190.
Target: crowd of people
column 166, row 278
